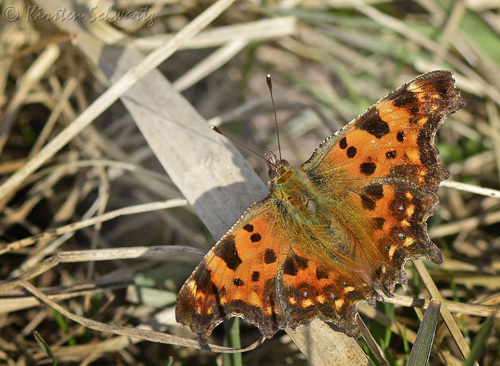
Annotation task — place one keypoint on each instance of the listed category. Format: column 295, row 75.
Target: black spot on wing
column 269, row 256
column 255, row 238
column 351, row 152
column 373, row 124
column 289, row 268
column 248, row 227
column 320, row 274
column 294, row 263
column 255, row 276
column 367, row 168
column 376, row 191
column 343, row 143
column 379, row 222
column 238, row 282
column 400, row 136
column 391, row 154
column 301, row 261
column 367, row 202
column 228, row 253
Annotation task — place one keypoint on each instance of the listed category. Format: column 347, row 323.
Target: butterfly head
column 278, row 170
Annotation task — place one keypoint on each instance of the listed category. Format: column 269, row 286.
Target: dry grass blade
column 130, row 332
column 454, row 307
column 148, row 207
column 464, row 225
column 258, row 30
column 209, row 64
column 173, row 252
column 30, row 79
column 472, row 188
column 322, row 346
column 69, row 88
column 377, row 351
column 448, row 319
column 494, row 118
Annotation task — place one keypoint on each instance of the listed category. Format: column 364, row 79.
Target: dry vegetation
column 106, row 204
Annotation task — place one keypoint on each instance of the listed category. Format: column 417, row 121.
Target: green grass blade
column 44, row 346
column 479, row 342
column 419, row 355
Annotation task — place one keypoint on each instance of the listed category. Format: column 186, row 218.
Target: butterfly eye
column 284, row 163
column 272, row 173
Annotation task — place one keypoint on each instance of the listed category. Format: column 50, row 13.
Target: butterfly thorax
column 296, row 194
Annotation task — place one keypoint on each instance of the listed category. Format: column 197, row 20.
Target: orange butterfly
column 335, row 231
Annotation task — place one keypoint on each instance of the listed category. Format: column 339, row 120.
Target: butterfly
column 338, row 230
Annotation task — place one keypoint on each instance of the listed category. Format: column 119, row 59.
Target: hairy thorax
column 297, row 195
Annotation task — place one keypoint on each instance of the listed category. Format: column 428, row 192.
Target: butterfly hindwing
column 316, row 285
column 237, row 277
column 394, row 224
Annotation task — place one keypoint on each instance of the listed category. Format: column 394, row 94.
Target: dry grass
column 94, row 227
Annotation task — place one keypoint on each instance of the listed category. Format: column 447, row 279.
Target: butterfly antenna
column 270, row 86
column 216, row 129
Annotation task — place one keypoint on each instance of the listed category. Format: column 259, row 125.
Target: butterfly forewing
column 385, row 170
column 392, row 139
